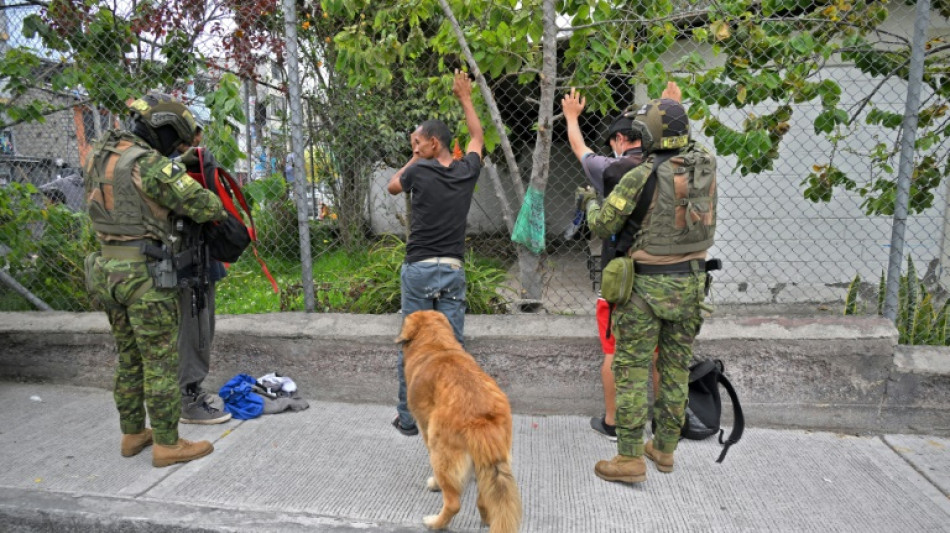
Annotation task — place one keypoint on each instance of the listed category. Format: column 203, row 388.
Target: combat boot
column 134, row 443
column 663, row 461
column 180, row 452
column 622, row 468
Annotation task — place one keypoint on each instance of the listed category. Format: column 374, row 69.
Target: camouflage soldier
column 664, row 310
column 134, row 194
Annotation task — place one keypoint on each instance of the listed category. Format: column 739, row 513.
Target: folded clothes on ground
column 278, row 385
column 279, row 394
column 278, row 404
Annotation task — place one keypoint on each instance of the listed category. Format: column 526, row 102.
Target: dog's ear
column 410, row 325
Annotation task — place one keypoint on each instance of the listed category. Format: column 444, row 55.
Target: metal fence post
column 296, row 135
column 906, row 166
column 248, row 129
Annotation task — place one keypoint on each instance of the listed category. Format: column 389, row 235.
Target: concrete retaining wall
column 835, row 373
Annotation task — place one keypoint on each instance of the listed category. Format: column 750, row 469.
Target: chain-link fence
column 803, row 102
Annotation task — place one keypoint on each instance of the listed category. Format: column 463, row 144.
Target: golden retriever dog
column 465, row 421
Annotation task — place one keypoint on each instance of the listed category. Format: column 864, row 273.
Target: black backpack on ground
column 705, row 405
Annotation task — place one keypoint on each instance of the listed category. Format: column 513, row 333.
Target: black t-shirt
column 441, row 197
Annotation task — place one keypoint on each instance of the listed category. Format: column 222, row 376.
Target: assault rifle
column 193, row 264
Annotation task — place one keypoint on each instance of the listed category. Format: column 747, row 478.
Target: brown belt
column 126, row 253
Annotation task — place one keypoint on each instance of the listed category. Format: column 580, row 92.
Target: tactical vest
column 118, row 209
column 683, row 216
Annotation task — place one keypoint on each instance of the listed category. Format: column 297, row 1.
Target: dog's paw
column 431, row 521
column 432, row 484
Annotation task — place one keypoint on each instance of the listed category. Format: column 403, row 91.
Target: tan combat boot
column 622, row 468
column 663, row 461
column 134, row 443
column 180, row 452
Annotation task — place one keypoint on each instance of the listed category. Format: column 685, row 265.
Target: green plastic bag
column 529, row 227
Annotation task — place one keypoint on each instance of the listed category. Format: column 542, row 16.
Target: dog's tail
column 497, row 490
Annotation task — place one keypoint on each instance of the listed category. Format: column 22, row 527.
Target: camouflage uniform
column 144, row 318
column 664, row 311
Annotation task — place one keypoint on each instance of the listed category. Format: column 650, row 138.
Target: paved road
column 341, row 467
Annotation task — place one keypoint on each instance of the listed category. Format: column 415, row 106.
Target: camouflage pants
column 146, row 334
column 664, row 312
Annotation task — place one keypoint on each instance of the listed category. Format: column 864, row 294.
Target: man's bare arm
column 462, row 87
column 395, row 186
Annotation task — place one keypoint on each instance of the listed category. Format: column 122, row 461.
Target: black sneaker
column 407, row 431
column 599, row 425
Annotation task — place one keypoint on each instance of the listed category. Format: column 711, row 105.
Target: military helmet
column 663, row 125
column 157, row 109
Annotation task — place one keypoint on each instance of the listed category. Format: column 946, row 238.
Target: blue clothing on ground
column 239, row 400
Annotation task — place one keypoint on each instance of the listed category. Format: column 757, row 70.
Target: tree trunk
column 529, row 263
column 351, row 199
column 500, row 194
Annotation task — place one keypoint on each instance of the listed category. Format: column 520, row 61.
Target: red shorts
column 603, row 315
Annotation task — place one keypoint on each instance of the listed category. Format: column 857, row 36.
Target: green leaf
column 851, row 300
column 884, row 118
column 803, row 43
column 830, row 93
column 881, row 294
column 825, row 122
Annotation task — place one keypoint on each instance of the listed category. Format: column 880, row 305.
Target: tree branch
column 489, row 98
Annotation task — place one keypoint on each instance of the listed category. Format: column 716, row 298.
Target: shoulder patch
column 617, row 202
column 171, row 169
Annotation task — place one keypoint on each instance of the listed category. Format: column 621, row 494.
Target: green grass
column 354, row 282
column 246, row 290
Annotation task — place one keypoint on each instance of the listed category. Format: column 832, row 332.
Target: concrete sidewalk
column 342, row 467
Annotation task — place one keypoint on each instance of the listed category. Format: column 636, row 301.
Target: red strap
column 236, row 189
column 226, row 198
column 231, row 208
column 229, row 205
column 273, row 283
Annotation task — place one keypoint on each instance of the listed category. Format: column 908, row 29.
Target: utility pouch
column 616, row 284
column 89, row 264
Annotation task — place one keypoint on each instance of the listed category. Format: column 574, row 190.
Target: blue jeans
column 433, row 286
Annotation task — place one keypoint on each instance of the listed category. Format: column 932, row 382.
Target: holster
column 161, row 268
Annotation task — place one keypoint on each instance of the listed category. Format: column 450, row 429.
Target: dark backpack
column 705, row 405
column 226, row 240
